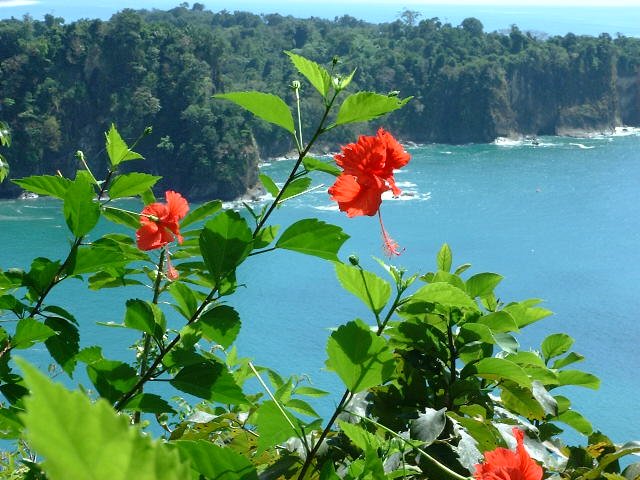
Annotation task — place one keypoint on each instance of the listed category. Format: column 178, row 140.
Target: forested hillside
column 61, row 85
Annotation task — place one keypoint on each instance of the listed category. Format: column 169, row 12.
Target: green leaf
column 526, row 313
column 212, row 461
column 131, row 184
column 200, row 213
column 52, row 185
column 521, row 401
column 462, row 268
column 221, row 324
column 359, row 357
column 501, row 322
column 94, row 259
column 272, row 427
column 576, row 421
column 313, row 237
column 65, row 344
column 59, row 424
column 211, row 381
column 269, row 185
column 11, row 426
column 186, row 300
column 572, row 357
column 111, row 377
column 444, row 258
column 149, row 403
column 296, row 188
column 117, row 149
column 145, row 317
column 367, row 286
column 80, row 210
column 266, row 106
column 311, row 392
column 444, row 294
column 314, row 164
column 482, row 284
column 555, row 345
column 316, row 74
column 225, row 242
column 302, row 407
column 360, row 437
column 365, row 106
column 497, row 369
column 29, row 331
column 265, row 236
column 578, row 378
column 121, row 217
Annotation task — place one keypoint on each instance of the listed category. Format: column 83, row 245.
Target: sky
column 408, row 3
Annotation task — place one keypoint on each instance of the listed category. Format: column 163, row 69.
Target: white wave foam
column 328, row 208
column 625, row 131
column 582, row 146
column 507, row 142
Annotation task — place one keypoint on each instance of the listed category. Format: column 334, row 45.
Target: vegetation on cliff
column 63, row 83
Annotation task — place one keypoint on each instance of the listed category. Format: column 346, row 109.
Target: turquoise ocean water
column 560, row 221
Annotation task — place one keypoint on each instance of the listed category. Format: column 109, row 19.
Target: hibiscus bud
column 354, row 260
column 148, row 130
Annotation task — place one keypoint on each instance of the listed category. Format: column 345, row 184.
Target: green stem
column 273, row 398
column 146, row 338
column 149, row 374
column 443, row 468
column 346, row 397
column 452, row 365
column 301, row 156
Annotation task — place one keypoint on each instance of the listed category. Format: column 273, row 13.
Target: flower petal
column 176, row 204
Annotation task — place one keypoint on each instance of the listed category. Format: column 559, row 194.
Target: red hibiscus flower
column 368, row 167
column 504, row 464
column 159, row 222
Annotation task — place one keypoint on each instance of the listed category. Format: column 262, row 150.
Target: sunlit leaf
column 200, row 213
column 225, row 242
column 444, row 258
column 359, row 357
column 273, row 428
column 212, row 461
column 131, row 184
column 266, row 106
column 365, row 285
column 316, row 74
column 211, row 381
column 80, row 210
column 482, row 284
column 313, row 237
column 117, row 149
column 52, row 185
column 555, row 345
column 59, row 424
column 365, row 106
column 30, row 331
column 221, row 324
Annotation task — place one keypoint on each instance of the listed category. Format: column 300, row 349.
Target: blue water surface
column 560, row 221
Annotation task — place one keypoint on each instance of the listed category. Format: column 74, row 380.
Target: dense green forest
column 61, row 85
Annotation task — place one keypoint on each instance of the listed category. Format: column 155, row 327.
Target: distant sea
column 560, row 220
column 538, row 19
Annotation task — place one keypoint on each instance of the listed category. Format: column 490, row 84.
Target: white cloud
column 17, row 3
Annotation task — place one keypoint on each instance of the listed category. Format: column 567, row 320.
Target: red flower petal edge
column 504, row 464
column 159, row 222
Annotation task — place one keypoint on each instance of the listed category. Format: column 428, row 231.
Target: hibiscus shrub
column 435, row 384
